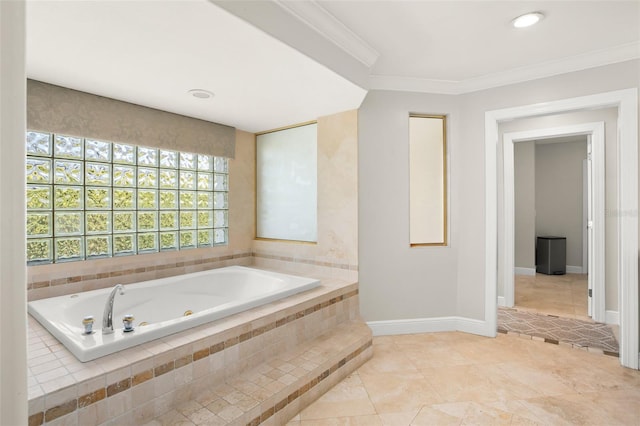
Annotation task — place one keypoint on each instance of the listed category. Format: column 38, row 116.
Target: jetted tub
column 166, row 305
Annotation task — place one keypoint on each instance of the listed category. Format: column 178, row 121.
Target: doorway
column 551, row 212
column 626, row 234
column 595, row 206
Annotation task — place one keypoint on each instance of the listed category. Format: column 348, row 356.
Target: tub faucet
column 107, row 316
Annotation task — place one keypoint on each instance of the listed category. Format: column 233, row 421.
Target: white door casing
column 626, row 101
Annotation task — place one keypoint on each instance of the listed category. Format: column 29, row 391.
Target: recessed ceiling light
column 527, row 20
column 201, row 93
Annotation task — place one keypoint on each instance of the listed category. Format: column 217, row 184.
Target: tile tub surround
column 68, row 278
column 140, row 383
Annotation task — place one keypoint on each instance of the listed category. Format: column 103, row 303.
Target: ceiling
column 273, row 63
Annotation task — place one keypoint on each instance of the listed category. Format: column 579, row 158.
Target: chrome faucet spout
column 107, row 316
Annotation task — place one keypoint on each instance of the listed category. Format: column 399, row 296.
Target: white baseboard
column 524, row 271
column 501, row 301
column 574, row 269
column 429, row 325
column 612, row 317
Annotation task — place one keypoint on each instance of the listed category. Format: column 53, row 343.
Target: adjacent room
column 319, row 212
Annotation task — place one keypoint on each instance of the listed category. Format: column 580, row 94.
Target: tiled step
column 276, row 390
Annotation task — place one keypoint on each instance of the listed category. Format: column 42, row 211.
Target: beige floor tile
column 387, row 359
column 399, row 391
column 347, row 399
column 370, row 420
column 428, row 416
column 398, row 419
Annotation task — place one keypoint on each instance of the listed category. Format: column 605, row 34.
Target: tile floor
column 562, row 295
column 457, row 379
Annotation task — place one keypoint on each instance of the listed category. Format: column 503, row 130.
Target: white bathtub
column 162, row 303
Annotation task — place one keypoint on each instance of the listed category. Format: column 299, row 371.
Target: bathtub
column 161, row 307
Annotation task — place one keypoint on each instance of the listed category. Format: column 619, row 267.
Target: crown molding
column 324, row 23
column 621, row 53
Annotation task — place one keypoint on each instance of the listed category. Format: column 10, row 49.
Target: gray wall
column 558, row 188
column 397, row 282
column 524, row 184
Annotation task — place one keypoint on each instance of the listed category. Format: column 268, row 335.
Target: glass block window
column 89, row 199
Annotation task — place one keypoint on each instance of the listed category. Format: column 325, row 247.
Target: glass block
column 168, row 178
column 147, row 156
column 68, row 147
column 168, row 199
column 168, row 240
column 124, row 176
column 68, row 172
column 147, row 242
column 169, row 220
column 205, row 181
column 98, row 223
column 220, row 200
column 187, row 239
column 147, row 221
column 220, row 218
column 220, row 236
column 124, row 198
column 168, row 159
column 68, row 223
column 38, row 143
column 124, row 222
column 205, row 200
column 187, row 199
column 98, row 246
column 220, row 165
column 205, row 219
column 68, row 249
column 124, row 244
column 98, row 198
column 38, row 170
column 205, row 163
column 205, row 238
column 220, row 182
column 187, row 161
column 124, row 154
column 39, row 224
column 97, row 150
column 187, row 180
column 187, row 220
column 147, row 199
column 147, row 178
column 39, row 251
column 97, row 174
column 68, row 197
column 38, row 197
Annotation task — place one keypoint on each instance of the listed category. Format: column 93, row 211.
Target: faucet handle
column 87, row 323
column 127, row 322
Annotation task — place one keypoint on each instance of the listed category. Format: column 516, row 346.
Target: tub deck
column 141, row 383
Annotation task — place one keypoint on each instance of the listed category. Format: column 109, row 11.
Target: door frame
column 626, row 101
column 594, row 131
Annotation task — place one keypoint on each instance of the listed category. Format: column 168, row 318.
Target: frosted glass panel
column 427, row 181
column 287, row 184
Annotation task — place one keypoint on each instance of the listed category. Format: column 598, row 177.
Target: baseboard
column 501, row 301
column 573, row 269
column 429, row 325
column 612, row 317
column 524, row 271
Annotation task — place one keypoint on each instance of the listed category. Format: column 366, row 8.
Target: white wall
column 13, row 294
column 397, row 282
